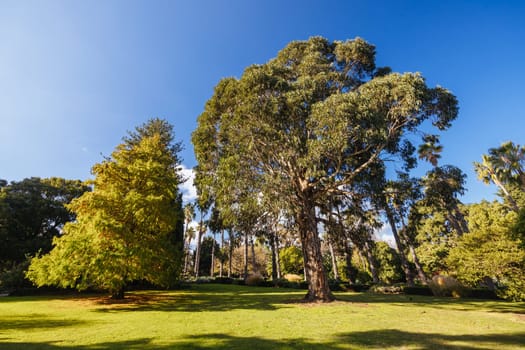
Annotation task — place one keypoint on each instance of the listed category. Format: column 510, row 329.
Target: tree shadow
column 35, row 322
column 461, row 304
column 120, row 345
column 387, row 338
column 375, row 339
column 207, row 299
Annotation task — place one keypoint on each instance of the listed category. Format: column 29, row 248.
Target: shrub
column 392, row 289
column 15, row 277
column 290, row 277
column 418, row 290
column 447, row 286
column 337, row 285
column 358, row 287
column 224, row 280
column 482, row 293
column 254, row 279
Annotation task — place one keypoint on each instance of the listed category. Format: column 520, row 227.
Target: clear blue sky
column 76, row 75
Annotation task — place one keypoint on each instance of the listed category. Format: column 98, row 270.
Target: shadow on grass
column 395, row 338
column 377, row 339
column 435, row 302
column 34, row 322
column 204, row 298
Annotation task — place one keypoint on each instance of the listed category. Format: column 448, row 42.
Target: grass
column 236, row 317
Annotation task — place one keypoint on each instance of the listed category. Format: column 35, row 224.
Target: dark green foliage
column 32, row 212
column 388, row 262
column 205, row 259
column 418, row 290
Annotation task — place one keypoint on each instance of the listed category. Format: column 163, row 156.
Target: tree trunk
column 318, row 289
column 371, row 262
column 212, row 267
column 419, row 268
column 274, row 258
column 198, row 249
column 221, row 263
column 254, row 260
column 245, row 273
column 118, row 294
column 230, row 254
column 277, row 257
column 350, row 271
column 335, row 271
column 400, row 248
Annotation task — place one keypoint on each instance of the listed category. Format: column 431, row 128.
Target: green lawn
column 235, row 317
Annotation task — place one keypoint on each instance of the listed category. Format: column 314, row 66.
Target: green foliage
column 32, row 212
column 130, row 226
column 311, row 124
column 291, row 259
column 14, row 278
column 489, row 251
column 205, row 260
column 388, row 262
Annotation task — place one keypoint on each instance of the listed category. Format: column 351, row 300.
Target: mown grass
column 236, row 317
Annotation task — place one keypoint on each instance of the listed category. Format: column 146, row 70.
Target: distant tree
column 309, row 123
column 130, row 227
column 389, row 263
column 208, row 246
column 32, row 212
column 291, row 259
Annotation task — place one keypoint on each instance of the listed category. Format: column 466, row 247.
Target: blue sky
column 76, row 75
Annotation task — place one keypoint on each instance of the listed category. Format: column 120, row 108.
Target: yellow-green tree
column 130, row 226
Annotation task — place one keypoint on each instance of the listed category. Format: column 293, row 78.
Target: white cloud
column 189, row 192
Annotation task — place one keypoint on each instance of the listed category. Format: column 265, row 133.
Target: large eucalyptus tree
column 311, row 122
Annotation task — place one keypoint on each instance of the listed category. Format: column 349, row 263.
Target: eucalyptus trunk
column 371, row 262
column 245, row 273
column 212, row 267
column 221, row 262
column 335, row 270
column 315, row 274
column 350, row 271
column 419, row 268
column 400, row 247
column 274, row 260
column 230, row 254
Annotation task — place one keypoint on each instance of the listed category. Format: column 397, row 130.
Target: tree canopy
column 130, row 227
column 314, row 122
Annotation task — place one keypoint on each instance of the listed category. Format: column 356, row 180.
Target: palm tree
column 503, row 166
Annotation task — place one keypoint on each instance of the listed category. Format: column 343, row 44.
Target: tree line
column 302, row 159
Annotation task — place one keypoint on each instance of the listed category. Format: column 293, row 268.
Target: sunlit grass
column 235, row 317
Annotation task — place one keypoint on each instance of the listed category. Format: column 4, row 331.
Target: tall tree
column 309, row 122
column 130, row 227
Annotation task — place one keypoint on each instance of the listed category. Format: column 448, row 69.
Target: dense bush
column 14, row 278
column 254, row 279
column 447, row 286
column 388, row 289
column 418, row 290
